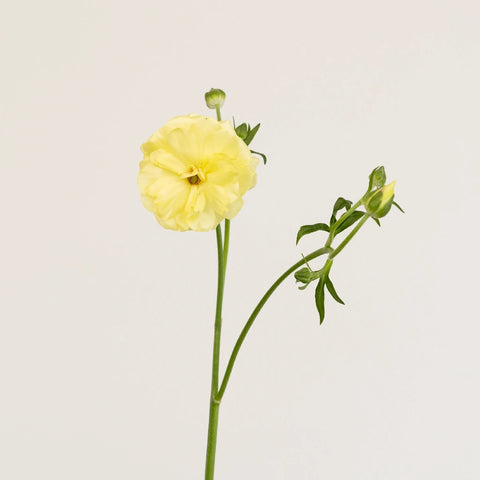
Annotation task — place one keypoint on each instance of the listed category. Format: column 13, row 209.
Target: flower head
column 194, row 173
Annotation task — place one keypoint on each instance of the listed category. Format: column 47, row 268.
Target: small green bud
column 377, row 178
column 378, row 203
column 306, row 275
column 215, row 98
column 242, row 131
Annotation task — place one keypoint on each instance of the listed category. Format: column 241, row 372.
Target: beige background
column 106, row 319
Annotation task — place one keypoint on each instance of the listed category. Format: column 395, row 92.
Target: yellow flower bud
column 378, row 203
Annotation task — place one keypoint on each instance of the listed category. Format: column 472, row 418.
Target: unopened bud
column 377, row 178
column 378, row 203
column 215, row 98
column 242, row 131
column 306, row 275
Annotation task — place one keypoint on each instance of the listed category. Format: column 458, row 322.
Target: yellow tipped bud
column 379, row 202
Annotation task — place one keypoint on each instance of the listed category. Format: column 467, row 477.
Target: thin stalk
column 219, row 116
column 214, row 404
column 255, row 313
column 349, row 237
column 226, row 243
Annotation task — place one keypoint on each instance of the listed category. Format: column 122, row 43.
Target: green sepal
column 377, row 178
column 242, row 130
column 320, row 298
column 332, row 291
column 251, row 133
column 349, row 221
column 306, row 229
column 398, row 206
column 264, row 157
column 339, row 204
column 377, row 221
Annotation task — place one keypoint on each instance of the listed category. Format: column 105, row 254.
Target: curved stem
column 214, row 404
column 255, row 313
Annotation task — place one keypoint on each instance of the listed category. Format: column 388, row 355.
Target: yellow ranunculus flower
column 194, row 173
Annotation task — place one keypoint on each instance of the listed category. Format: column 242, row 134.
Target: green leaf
column 339, row 204
column 251, row 133
column 332, row 291
column 306, row 229
column 320, row 298
column 398, row 206
column 264, row 157
column 349, row 221
column 377, row 221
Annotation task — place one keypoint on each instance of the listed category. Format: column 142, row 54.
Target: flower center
column 194, row 180
column 194, row 175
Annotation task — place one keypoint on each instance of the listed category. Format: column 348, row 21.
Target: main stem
column 222, row 251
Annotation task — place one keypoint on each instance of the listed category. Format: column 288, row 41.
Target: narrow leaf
column 349, row 221
column 377, row 221
column 332, row 291
column 320, row 298
column 251, row 134
column 306, row 229
column 264, row 157
column 398, row 206
column 339, row 204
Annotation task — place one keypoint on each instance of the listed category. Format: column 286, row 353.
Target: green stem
column 349, row 237
column 226, row 242
column 341, row 220
column 219, row 116
column 214, row 403
column 255, row 313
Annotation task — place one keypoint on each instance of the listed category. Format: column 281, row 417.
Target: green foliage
column 306, row 229
column 349, row 221
column 320, row 298
column 251, row 132
column 339, row 204
column 264, row 157
column 398, row 206
column 332, row 291
column 247, row 134
column 377, row 202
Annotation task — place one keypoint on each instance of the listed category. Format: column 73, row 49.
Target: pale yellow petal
column 199, row 146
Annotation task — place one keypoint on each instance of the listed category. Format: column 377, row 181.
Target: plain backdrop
column 107, row 319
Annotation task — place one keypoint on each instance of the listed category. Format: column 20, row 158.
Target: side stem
column 255, row 313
